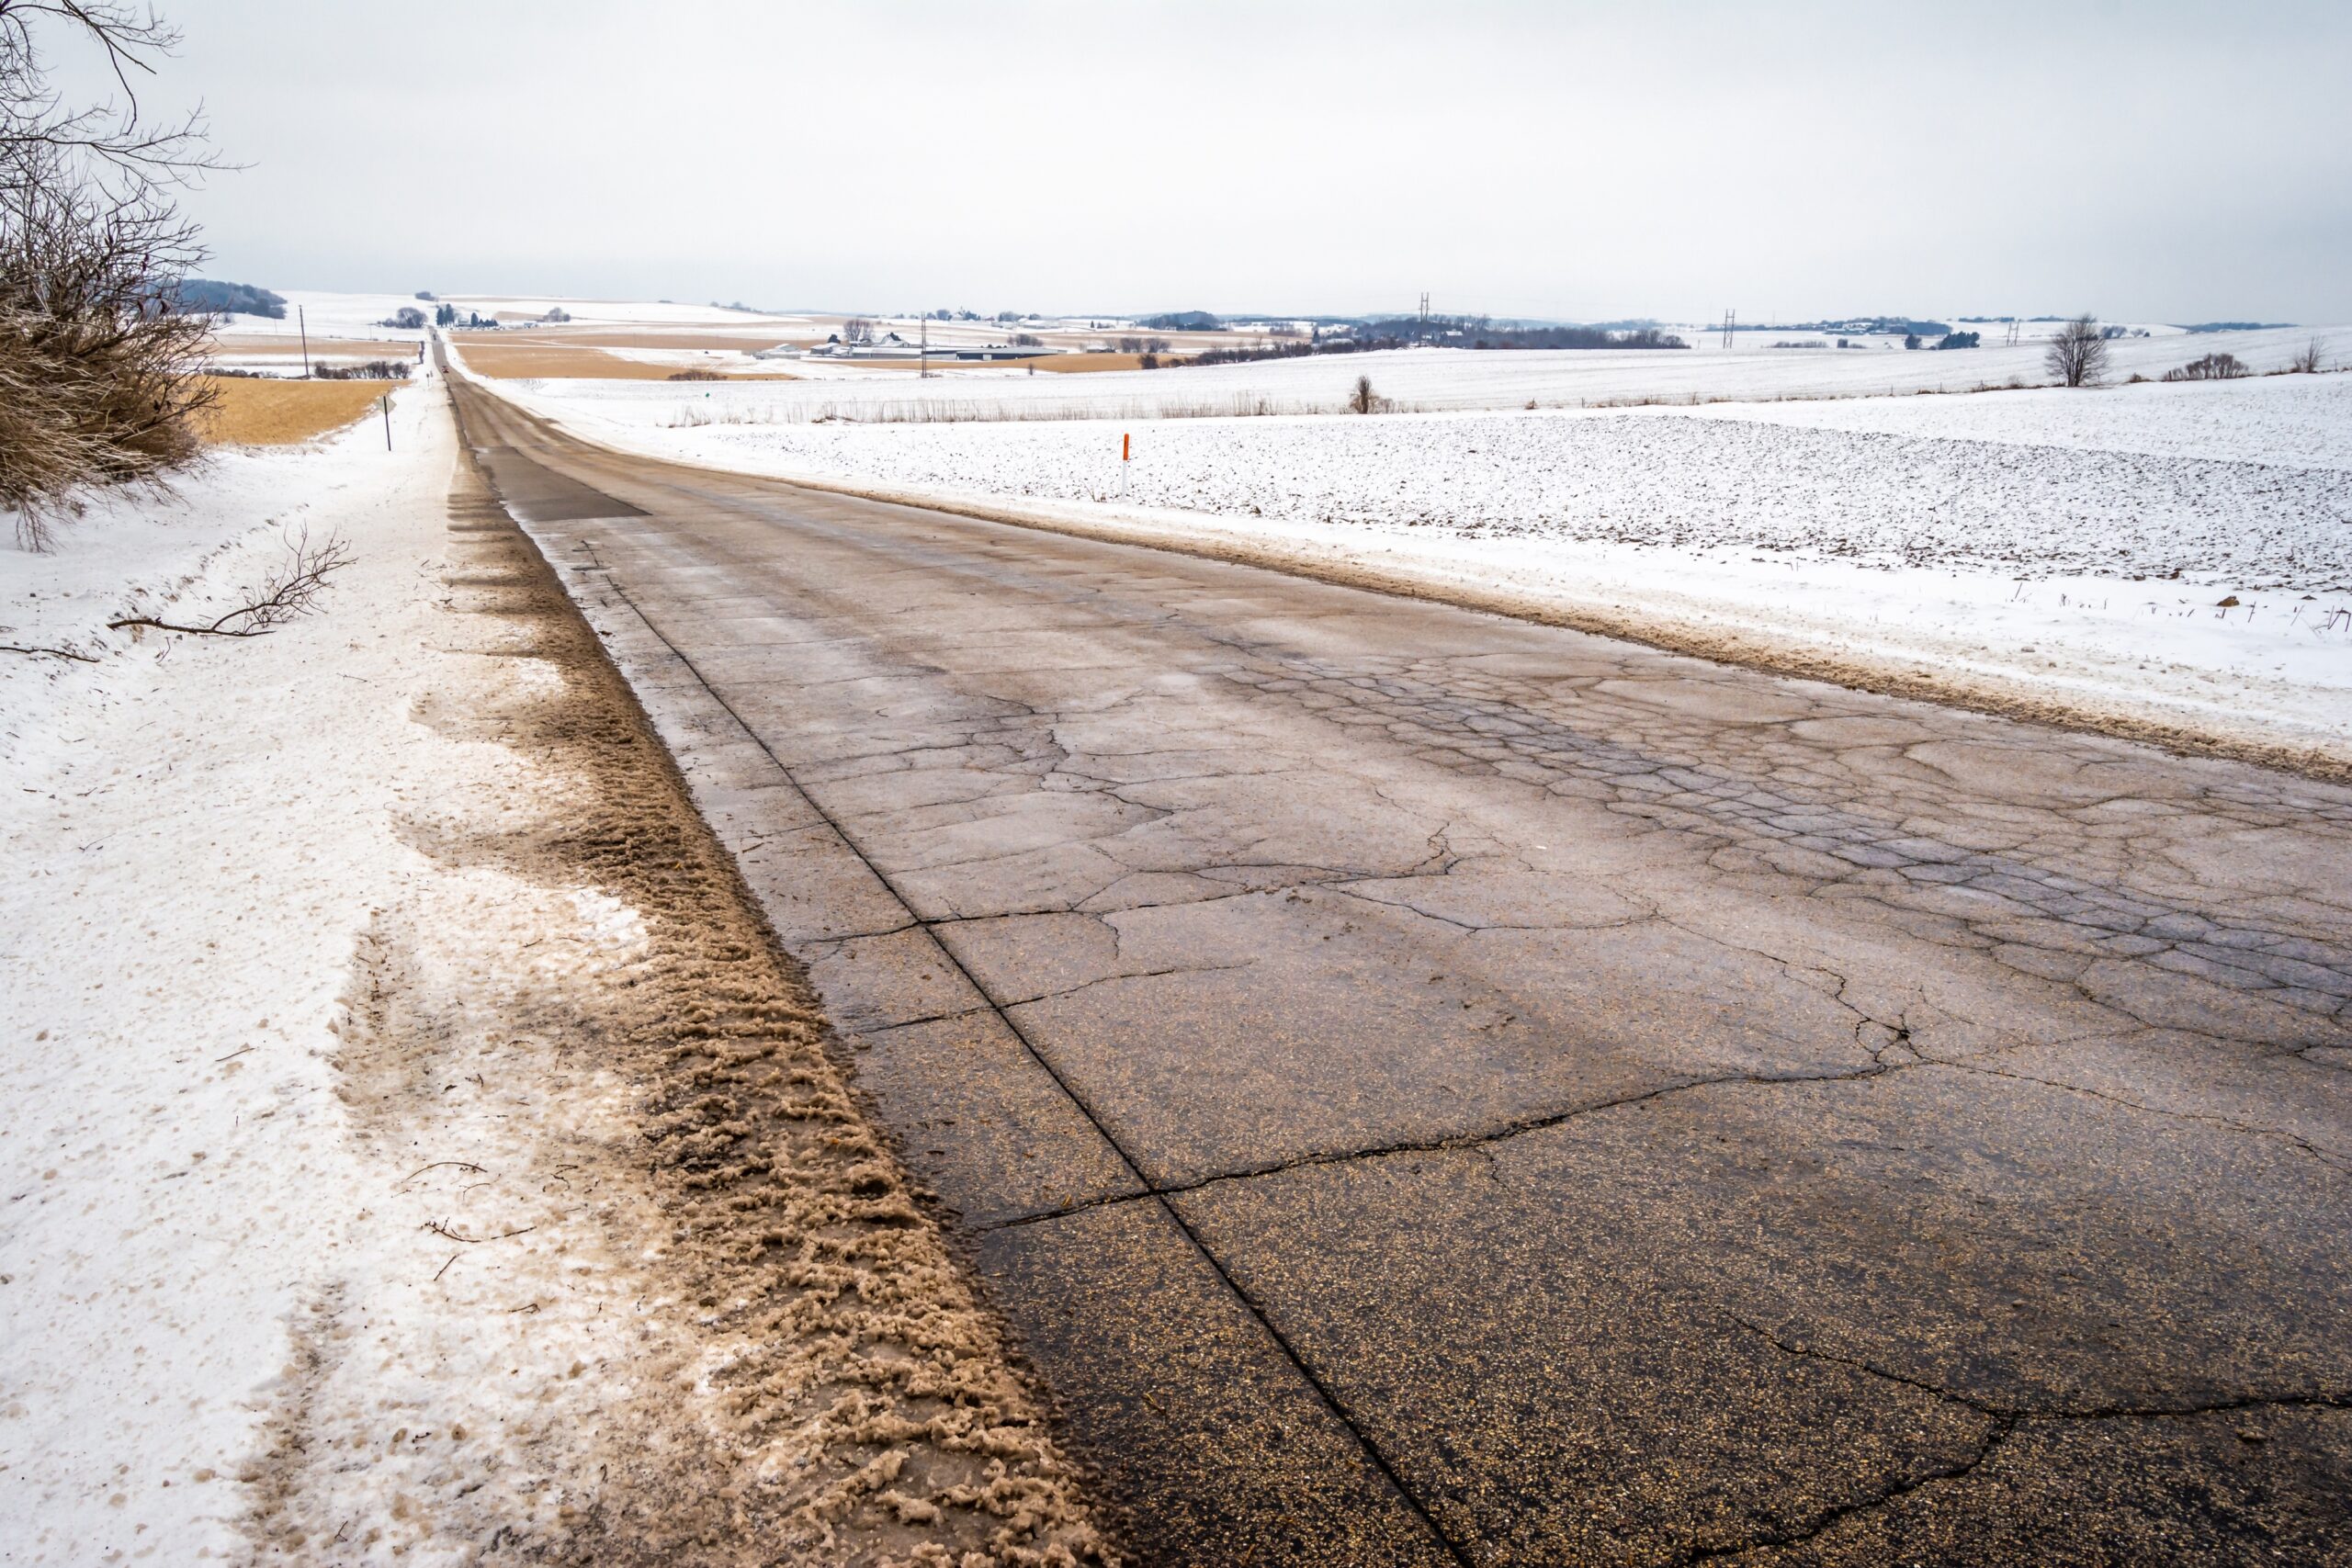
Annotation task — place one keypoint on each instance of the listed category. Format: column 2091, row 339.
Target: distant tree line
column 1294, row 350
column 1481, row 332
column 204, row 295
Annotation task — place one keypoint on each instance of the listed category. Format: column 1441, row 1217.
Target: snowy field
column 1419, row 380
column 2075, row 546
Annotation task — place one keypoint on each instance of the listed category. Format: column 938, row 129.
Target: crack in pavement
column 2001, row 1423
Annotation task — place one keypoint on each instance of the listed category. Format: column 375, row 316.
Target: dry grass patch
column 250, row 411
column 290, row 343
column 1067, row 363
column 544, row 361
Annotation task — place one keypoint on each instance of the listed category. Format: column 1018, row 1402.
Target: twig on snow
column 289, row 592
column 436, row 1165
column 51, row 653
column 441, row 1229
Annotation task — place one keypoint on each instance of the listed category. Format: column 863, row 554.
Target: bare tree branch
column 32, row 115
column 289, row 593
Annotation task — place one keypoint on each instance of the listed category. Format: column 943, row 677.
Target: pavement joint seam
column 1250, row 1303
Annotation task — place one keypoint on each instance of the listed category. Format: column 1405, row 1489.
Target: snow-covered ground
column 330, row 1231
column 1419, row 380
column 193, row 835
column 2053, row 546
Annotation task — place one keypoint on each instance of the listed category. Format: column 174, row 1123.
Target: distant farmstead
column 891, row 345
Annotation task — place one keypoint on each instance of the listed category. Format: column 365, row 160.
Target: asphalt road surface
column 1428, row 1088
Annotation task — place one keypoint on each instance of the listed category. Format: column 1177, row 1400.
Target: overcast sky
column 2145, row 161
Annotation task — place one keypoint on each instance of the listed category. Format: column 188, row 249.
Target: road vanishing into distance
column 1428, row 1088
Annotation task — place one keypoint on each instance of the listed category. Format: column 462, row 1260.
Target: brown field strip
column 252, row 412
column 646, row 337
column 1067, row 364
column 290, row 345
column 510, row 361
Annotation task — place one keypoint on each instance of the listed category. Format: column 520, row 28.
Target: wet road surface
column 1429, row 1089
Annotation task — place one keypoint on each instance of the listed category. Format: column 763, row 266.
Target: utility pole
column 302, row 324
column 1421, row 333
column 924, row 372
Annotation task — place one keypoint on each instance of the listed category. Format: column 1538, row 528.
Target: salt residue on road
column 2068, row 554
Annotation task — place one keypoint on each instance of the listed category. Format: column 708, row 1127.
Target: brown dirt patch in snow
column 252, row 412
column 807, row 1374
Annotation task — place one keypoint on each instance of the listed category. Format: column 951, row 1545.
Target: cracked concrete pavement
column 1425, row 1087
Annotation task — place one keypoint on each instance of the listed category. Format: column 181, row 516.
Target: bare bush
column 2077, row 356
column 289, row 593
column 857, row 329
column 97, row 372
column 2306, row 362
column 2214, row 366
column 1363, row 400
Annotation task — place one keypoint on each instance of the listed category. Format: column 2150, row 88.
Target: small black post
column 387, row 400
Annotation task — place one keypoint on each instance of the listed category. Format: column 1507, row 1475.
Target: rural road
column 1429, row 1088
